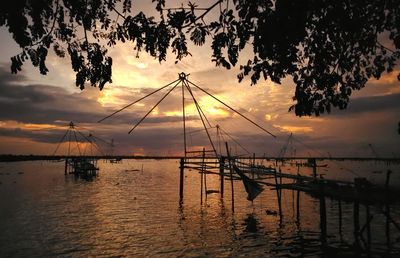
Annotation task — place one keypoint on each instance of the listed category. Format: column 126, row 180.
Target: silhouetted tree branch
column 329, row 48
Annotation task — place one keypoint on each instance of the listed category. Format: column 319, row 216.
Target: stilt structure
column 76, row 162
column 187, row 88
column 214, row 162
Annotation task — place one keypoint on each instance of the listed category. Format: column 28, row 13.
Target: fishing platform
column 256, row 177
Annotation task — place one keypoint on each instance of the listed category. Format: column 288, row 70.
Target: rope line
column 136, row 101
column 143, row 118
column 199, row 110
column 234, row 110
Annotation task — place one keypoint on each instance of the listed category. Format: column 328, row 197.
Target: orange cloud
column 387, row 78
column 294, row 129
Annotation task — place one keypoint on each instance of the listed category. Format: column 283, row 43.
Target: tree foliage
column 329, row 48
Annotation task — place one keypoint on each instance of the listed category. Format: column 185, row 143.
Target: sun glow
column 28, row 126
column 110, row 97
column 208, row 106
column 295, row 129
column 191, row 110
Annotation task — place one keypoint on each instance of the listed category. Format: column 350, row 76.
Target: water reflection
column 251, row 224
column 128, row 213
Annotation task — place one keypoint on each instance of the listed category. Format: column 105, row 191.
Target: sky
column 35, row 110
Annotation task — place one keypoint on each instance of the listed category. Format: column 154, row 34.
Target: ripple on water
column 132, row 213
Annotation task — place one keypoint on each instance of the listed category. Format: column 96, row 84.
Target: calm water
column 124, row 212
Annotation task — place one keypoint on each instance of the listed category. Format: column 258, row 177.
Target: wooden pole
column 66, row 166
column 205, row 184
column 298, row 208
column 387, row 208
column 221, row 174
column 254, row 165
column 322, row 211
column 184, row 119
column 368, row 227
column 231, row 175
column 278, row 194
column 340, row 218
column 314, row 165
column 387, row 213
column 298, row 201
column 293, row 203
column 356, row 221
column 201, row 177
column 181, row 178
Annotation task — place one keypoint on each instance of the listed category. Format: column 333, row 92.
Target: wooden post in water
column 298, row 201
column 221, row 174
column 322, row 213
column 356, row 218
column 231, row 177
column 66, row 166
column 278, row 195
column 254, row 165
column 205, row 184
column 368, row 226
column 201, row 176
column 387, row 213
column 340, row 218
column 298, row 207
column 387, row 208
column 314, row 165
column 181, row 178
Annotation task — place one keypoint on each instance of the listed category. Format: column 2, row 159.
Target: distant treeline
column 13, row 158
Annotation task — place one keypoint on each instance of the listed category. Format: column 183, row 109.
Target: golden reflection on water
column 126, row 212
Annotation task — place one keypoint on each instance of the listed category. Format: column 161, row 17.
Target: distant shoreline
column 16, row 158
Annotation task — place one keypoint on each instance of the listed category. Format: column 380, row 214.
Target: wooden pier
column 360, row 192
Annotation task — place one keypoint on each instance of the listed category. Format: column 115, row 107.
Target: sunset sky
column 35, row 110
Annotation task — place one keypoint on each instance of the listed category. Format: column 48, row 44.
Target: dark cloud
column 371, row 104
column 6, row 75
column 46, row 104
column 44, row 136
column 23, row 102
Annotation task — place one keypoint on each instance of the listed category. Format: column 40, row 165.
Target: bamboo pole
column 278, row 194
column 340, row 218
column 368, row 226
column 356, row 218
column 184, row 118
column 66, row 166
column 231, row 177
column 221, row 174
column 387, row 209
column 322, row 211
column 181, row 179
column 201, row 178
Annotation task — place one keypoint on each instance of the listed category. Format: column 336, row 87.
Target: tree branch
column 203, row 14
column 120, row 14
column 380, row 44
column 54, row 20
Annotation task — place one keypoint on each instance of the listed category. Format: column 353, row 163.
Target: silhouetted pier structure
column 79, row 164
column 360, row 192
column 81, row 167
column 256, row 177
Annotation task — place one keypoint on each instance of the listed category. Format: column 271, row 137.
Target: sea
column 133, row 209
